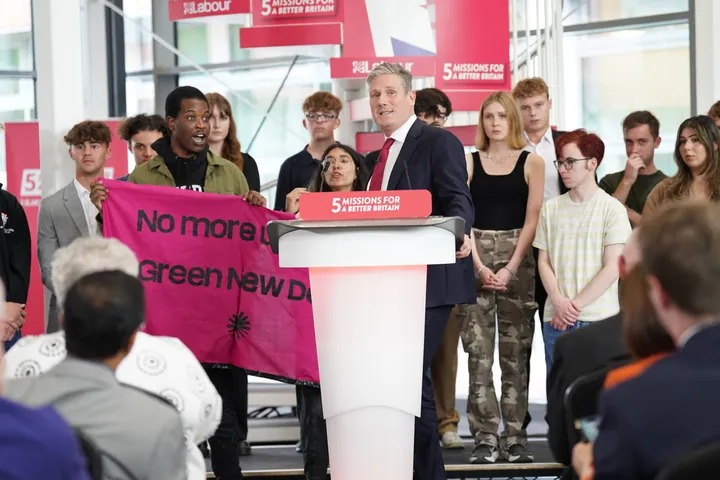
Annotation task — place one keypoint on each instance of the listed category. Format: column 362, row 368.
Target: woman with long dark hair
column 697, row 155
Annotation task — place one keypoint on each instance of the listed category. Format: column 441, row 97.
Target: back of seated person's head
column 103, row 311
column 642, row 333
column 681, row 255
column 88, row 255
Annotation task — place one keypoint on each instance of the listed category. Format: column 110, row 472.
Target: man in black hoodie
column 185, row 161
column 14, row 265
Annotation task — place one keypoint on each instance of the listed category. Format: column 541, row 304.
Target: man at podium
column 418, row 156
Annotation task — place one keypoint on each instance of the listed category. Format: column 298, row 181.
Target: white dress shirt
column 89, row 209
column 545, row 148
column 163, row 366
column 399, row 137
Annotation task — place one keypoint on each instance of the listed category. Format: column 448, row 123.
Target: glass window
column 583, row 11
column 138, row 43
column 17, row 99
column 16, row 49
column 608, row 75
column 140, row 95
column 282, row 133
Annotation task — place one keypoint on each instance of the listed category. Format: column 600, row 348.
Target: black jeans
column 224, row 451
column 313, row 432
column 240, row 397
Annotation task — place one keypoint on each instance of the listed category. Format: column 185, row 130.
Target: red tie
column 379, row 171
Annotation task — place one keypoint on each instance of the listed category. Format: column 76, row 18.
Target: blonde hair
column 515, row 139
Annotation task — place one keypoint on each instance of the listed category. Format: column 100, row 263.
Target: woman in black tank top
column 506, row 184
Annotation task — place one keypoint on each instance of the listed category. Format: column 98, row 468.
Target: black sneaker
column 519, row 454
column 484, row 454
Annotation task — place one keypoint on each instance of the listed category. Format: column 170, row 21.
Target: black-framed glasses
column 569, row 162
column 325, row 117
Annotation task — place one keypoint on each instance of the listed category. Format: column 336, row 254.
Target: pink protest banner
column 212, row 281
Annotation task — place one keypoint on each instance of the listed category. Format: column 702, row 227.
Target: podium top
column 278, row 228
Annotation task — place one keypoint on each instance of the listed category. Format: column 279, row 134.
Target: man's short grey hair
column 89, row 255
column 391, row 69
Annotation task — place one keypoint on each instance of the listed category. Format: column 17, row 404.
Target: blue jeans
column 550, row 334
column 13, row 340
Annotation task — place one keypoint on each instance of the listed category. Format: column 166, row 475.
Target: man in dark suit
column 419, row 156
column 668, row 411
column 580, row 352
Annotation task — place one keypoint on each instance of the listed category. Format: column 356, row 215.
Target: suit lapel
column 406, row 153
column 75, row 209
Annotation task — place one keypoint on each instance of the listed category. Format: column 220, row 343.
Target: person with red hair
column 580, row 237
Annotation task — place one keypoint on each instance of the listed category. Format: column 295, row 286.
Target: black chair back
column 702, row 463
column 581, row 400
column 92, row 455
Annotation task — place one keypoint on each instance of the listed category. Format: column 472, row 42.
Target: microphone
column 407, row 176
column 325, row 166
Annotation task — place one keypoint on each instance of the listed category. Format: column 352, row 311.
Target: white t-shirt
column 163, row 366
column 575, row 236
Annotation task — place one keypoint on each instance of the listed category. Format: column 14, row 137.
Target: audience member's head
column 642, row 332
column 533, row 99
column 641, row 133
column 223, row 130
column 140, row 132
column 681, row 256
column 579, row 154
column 697, row 153
column 714, row 113
column 346, row 171
column 88, row 255
column 322, row 115
column 103, row 312
column 432, row 106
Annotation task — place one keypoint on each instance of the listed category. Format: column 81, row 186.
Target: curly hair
column 322, row 101
column 231, row 149
column 530, row 87
column 88, row 131
column 131, row 126
column 88, row 255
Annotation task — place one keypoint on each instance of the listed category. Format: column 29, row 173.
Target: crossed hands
column 14, row 319
column 495, row 281
column 566, row 314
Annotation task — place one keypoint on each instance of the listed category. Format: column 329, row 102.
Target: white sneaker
column 451, row 440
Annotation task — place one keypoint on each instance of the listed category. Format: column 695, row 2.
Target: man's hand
column 98, row 194
column 566, row 310
column 465, row 248
column 15, row 314
column 582, row 459
column 292, row 200
column 632, row 168
column 255, row 198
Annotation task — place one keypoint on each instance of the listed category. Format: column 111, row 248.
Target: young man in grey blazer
column 69, row 213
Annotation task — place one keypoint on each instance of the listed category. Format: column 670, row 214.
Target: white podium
column 368, row 282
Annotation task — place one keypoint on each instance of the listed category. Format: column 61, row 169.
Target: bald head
column 631, row 254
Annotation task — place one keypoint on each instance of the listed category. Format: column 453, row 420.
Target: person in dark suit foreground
column 419, row 156
column 667, row 411
column 580, row 352
column 36, row 443
column 138, row 435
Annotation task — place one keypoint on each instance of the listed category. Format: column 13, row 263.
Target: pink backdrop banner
column 212, row 281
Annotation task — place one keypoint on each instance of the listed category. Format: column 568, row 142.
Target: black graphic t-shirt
column 188, row 173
